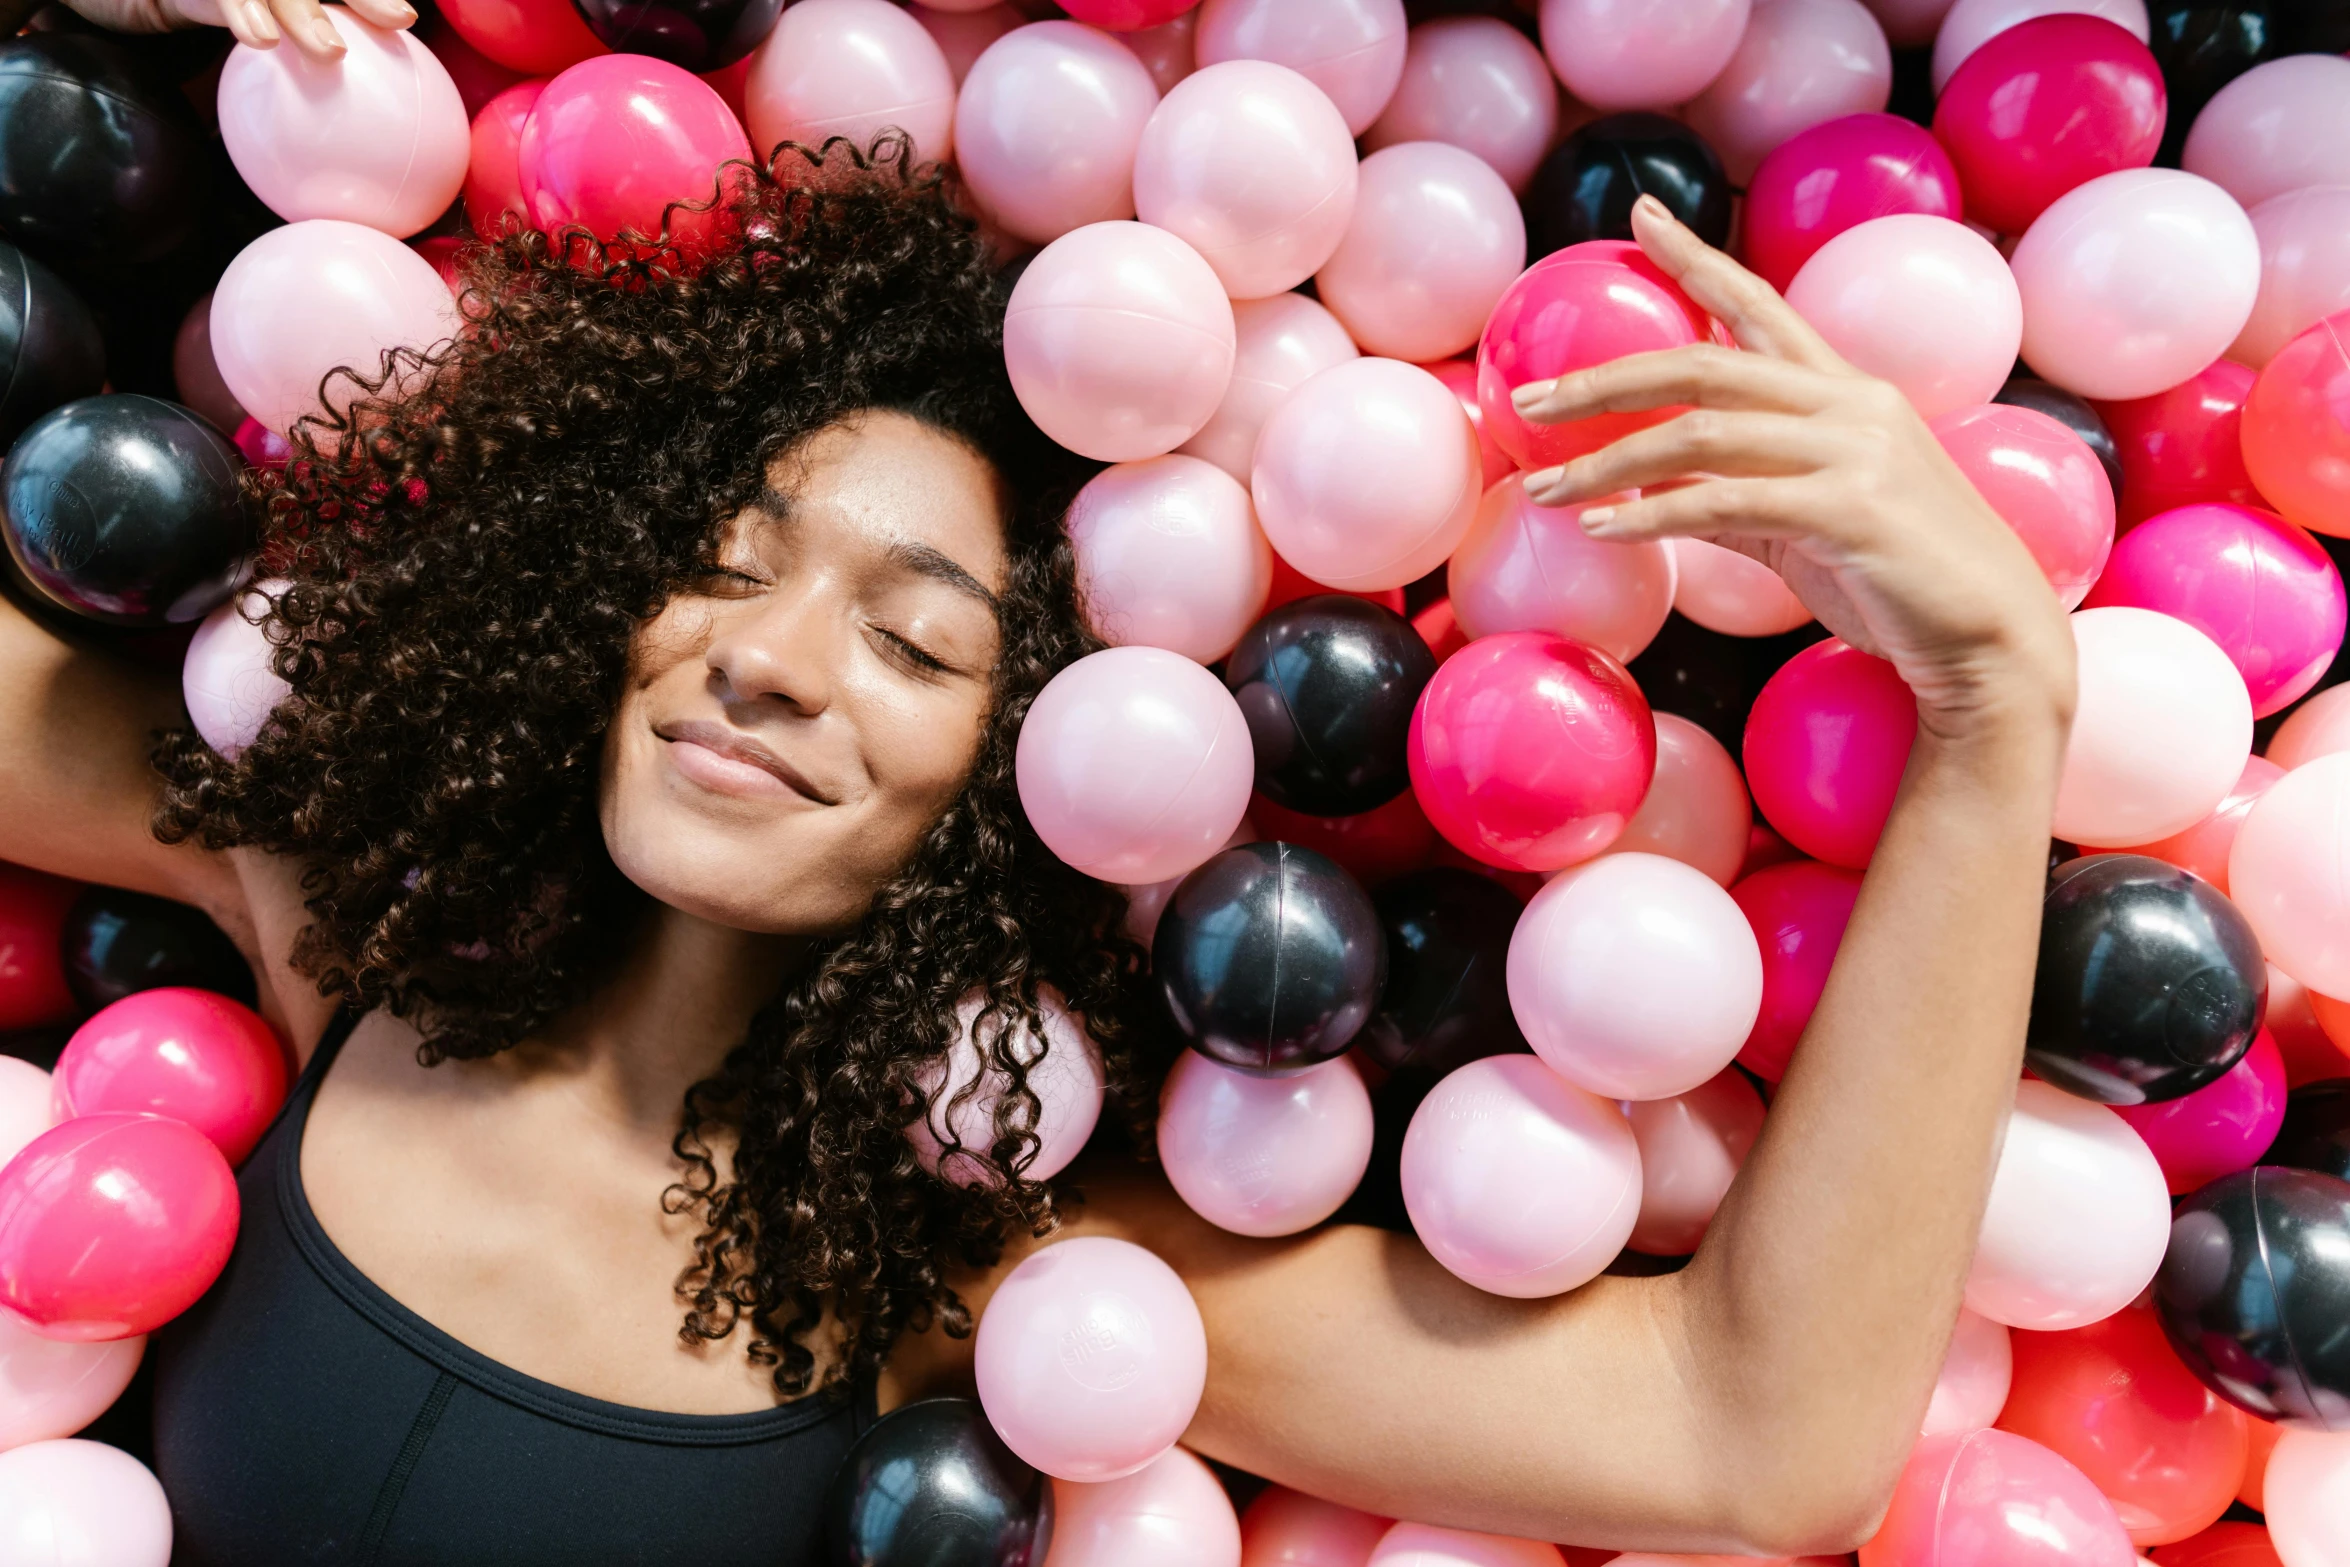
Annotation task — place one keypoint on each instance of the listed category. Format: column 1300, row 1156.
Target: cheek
column 920, row 745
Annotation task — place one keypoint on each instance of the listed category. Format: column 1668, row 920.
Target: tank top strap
column 330, row 1044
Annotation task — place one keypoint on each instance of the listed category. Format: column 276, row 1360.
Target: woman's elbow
column 1826, row 1507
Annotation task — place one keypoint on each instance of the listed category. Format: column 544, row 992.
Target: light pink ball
column 1479, row 84
column 1165, row 50
column 1172, row 1512
column 80, row 1504
column 1691, row 1147
column 1280, row 342
column 1134, row 764
column 226, row 679
column 1523, row 567
column 1517, row 1181
column 1261, row 1154
column 2304, row 269
column 963, row 36
column 1970, row 24
column 1285, row 1528
column 50, row 1388
column 1046, row 127
column 2305, row 1495
column 379, row 136
column 2280, row 126
column 1252, row 166
column 314, row 296
column 1801, row 63
column 1169, row 555
column 25, row 1107
column 2160, row 733
column 2290, row 873
column 2318, row 727
column 1435, row 239
column 2134, row 282
column 1909, row 23
column 1734, row 594
column 1352, row 49
column 1118, row 339
column 1090, row 1359
column 850, row 68
column 1977, row 1371
column 1923, row 302
column 2078, row 1220
column 1367, row 476
column 1634, row 976
column 1637, row 54
column 961, row 1090
column 1696, row 809
column 1425, row 1545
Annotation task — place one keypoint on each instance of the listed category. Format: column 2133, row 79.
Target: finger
column 1705, row 441
column 248, row 21
column 394, row 14
column 304, row 21
column 1749, row 307
column 1753, row 509
column 1705, row 374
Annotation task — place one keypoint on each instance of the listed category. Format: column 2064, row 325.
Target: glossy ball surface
column 99, row 165
column 1585, row 188
column 701, row 35
column 932, row 1482
column 50, row 351
column 2076, row 414
column 1446, row 1002
column 117, row 943
column 1327, row 685
column 1837, row 176
column 2316, row 1131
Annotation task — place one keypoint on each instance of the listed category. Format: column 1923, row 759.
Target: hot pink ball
column 2283, row 125
column 1517, row 1181
column 1280, row 342
column 493, row 173
column 1461, row 376
column 1970, row 24
column 1046, row 127
column 1922, row 302
column 1127, row 16
column 2220, row 1128
column 1435, row 238
column 50, row 1389
column 2044, row 481
column 1800, row 63
column 1696, row 810
column 2318, row 727
column 2079, row 1216
column 1825, row 748
column 1632, row 54
column 1134, row 764
column 1836, row 176
column 1531, row 752
column 1264, row 1155
column 189, row 1054
column 2306, row 1495
column 1737, row 595
column 1691, row 1147
column 377, row 135
column 112, row 1225
column 1366, row 477
column 1119, row 341
column 1977, row 1372
column 81, row 1504
column 1798, row 911
column 226, row 678
column 1352, row 49
column 1285, row 1528
column 2160, row 731
column 1991, row 1496
column 1479, row 84
column 1173, row 1512
column 1062, row 1067
column 1169, row 555
column 1090, row 1359
column 614, row 142
column 2304, row 269
column 850, row 68
column 1425, row 1545
column 2204, row 848
column 2290, row 873
column 1524, row 567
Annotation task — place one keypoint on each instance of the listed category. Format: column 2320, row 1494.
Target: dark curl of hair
column 469, row 559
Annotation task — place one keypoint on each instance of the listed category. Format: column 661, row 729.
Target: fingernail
column 257, row 18
column 407, row 13
column 1544, row 479
column 1595, row 518
column 324, row 31
column 1531, row 394
column 1653, row 207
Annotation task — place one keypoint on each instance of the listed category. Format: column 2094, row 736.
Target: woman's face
column 791, row 726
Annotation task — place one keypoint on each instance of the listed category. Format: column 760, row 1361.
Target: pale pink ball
column 2160, row 732
column 1166, row 50
column 1262, row 1154
column 1252, row 166
column 1479, row 84
column 850, row 68
column 2280, row 126
column 1134, row 764
column 1734, row 594
column 1046, row 127
column 1285, row 1528
column 1352, row 49
column 50, row 1388
column 1517, row 1181
column 1691, row 1147
column 1638, row 54
column 1118, row 339
column 1920, row 301
column 1090, row 1359
column 2306, row 1497
column 1909, row 23
column 1280, row 341
column 1062, row 1067
column 1173, row 1512
column 2290, row 873
column 963, row 36
column 1169, row 555
column 2318, row 727
column 25, row 1107
column 1435, row 239
column 226, row 679
column 1696, row 809
column 1523, row 567
column 1425, row 1545
column 81, row 1504
column 1801, row 63
column 2304, row 269
column 1367, row 476
column 1977, row 1371
column 1970, row 24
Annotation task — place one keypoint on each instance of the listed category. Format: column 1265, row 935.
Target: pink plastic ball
column 1691, row 1147
column 1169, row 555
column 1977, row 1371
column 1119, row 341
column 1734, row 594
column 1435, row 238
column 1285, row 1528
column 1836, row 176
column 2290, row 873
column 1090, row 1359
column 2204, row 848
column 25, row 1110
column 1173, row 1512
column 2160, row 731
column 1166, row 50
column 1264, row 1155
column 2044, row 481
column 1531, row 752
column 962, row 37
column 1352, row 49
column 226, row 679
column 1280, row 342
column 1825, row 748
column 1798, row 911
column 614, row 142
column 2220, row 1128
column 2281, row 126
column 1479, row 84
column 50, row 1389
column 377, row 135
column 1517, row 1181
column 850, row 68
column 1425, row 1545
column 112, row 1225
column 1134, row 764
column 1127, row 16
column 2296, row 428
column 1046, row 128
column 1801, row 63
column 2304, row 269
column 2185, row 445
column 1523, row 567
column 2135, row 281
column 478, row 77
column 1991, row 1496
column 1062, row 1068
column 2318, row 727
column 1461, row 376
column 1696, row 810
column 1635, row 976
column 80, row 1504
column 1366, row 476
column 1970, row 24
column 1922, row 302
column 1634, row 54
column 493, row 173
column 189, row 1054
column 2306, row 1495
column 535, row 37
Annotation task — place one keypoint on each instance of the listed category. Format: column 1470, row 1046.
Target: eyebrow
column 905, row 554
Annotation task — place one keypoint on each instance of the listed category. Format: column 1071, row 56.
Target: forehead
column 888, row 483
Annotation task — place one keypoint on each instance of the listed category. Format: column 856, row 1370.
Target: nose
column 782, row 648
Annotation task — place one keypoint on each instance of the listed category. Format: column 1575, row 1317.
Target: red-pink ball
column 2221, row 1127
column 189, row 1054
column 1820, row 182
column 614, row 142
column 1981, row 1497
column 2044, row 481
column 1798, row 910
column 1127, row 16
column 1825, row 748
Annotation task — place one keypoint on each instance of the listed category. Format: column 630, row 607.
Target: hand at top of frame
column 260, row 23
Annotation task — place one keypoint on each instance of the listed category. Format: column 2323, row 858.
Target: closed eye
column 913, row 653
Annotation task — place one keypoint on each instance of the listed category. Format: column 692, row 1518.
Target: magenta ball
column 1691, row 1148
column 50, row 1389
column 2161, row 729
column 1279, row 343
column 1825, row 748
column 2220, row 1128
column 1046, row 128
column 955, row 1135
column 2304, row 269
column 226, row 678
column 2046, row 483
column 1479, row 84
column 1090, row 1358
column 1922, row 302
column 189, row 1054
column 2290, row 873
column 1798, row 910
column 1119, row 339
column 1696, row 809
column 1970, row 24
column 1800, row 64
column 1836, row 176
column 1264, row 1154
column 2283, row 125
column 614, row 142
column 1128, row 16
column 1435, row 238
column 1635, row 54
column 1352, row 49
column 1530, row 751
column 1977, row 1372
column 81, row 1504
column 2261, row 588
column 1523, row 567
column 1169, row 555
column 1990, row 1496
column 850, row 68
column 1517, row 1181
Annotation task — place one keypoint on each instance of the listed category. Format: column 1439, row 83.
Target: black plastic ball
column 100, row 163
column 701, row 35
column 1447, row 1001
column 1327, row 685
column 2254, row 1293
column 50, row 350
column 126, row 509
column 2025, row 391
column 117, row 943
column 1585, row 189
column 2316, row 1133
column 932, row 1485
column 2150, row 983
column 1270, row 957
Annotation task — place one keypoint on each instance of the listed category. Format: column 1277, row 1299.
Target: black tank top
column 303, row 1415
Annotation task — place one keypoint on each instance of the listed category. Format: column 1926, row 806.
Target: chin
column 740, row 881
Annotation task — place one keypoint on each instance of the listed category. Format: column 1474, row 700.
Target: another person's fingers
column 1706, row 374
column 304, row 21
column 1703, row 441
column 1749, row 307
column 393, row 14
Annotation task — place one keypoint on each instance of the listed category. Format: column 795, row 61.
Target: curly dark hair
column 471, row 547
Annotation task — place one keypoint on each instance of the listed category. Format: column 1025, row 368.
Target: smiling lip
column 730, row 760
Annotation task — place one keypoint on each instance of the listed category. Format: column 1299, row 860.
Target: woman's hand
column 260, row 23
column 1827, row 475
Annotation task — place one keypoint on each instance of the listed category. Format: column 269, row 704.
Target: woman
column 644, row 807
